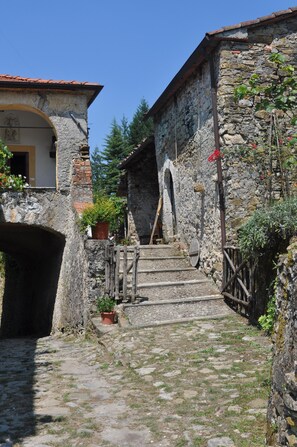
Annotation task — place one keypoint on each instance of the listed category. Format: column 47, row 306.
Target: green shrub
column 267, row 320
column 105, row 304
column 103, row 210
column 269, row 229
column 120, row 205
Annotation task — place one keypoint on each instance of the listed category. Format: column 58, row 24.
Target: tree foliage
column 115, row 150
column 98, row 171
column 120, row 141
column 140, row 128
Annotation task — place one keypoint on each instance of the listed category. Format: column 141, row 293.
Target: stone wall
column 56, row 108
column 143, row 196
column 184, row 139
column 95, row 274
column 282, row 411
column 38, row 227
column 22, row 214
column 239, row 123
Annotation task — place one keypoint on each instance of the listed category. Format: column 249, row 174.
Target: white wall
column 41, row 139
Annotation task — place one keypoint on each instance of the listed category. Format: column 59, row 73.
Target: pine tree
column 125, row 132
column 121, row 140
column 114, row 152
column 140, row 127
column 98, row 172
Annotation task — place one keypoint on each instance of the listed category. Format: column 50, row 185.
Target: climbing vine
column 274, row 156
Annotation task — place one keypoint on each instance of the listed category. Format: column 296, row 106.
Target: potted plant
column 105, row 306
column 98, row 216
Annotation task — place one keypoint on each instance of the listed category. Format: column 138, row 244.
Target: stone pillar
column 82, row 192
column 95, row 281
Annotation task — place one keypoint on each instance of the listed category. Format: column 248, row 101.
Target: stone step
column 175, row 311
column 174, row 274
column 162, row 263
column 175, row 289
column 156, row 251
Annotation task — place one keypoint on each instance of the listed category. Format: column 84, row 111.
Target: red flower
column 215, row 155
column 254, row 146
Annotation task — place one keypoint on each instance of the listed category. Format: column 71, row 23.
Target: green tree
column 98, row 172
column 114, row 152
column 140, row 127
column 125, row 132
column 121, row 140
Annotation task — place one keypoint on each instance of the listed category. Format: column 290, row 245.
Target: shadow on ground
column 16, row 389
column 17, row 394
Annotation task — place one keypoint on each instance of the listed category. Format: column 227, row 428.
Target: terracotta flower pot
column 100, row 230
column 108, row 317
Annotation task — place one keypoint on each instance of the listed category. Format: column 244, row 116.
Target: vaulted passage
column 33, row 258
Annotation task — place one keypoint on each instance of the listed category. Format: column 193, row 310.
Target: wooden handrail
column 238, row 280
column 116, row 283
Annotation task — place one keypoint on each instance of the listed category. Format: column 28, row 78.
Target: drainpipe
column 217, row 146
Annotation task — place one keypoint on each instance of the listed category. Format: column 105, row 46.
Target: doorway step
column 170, row 290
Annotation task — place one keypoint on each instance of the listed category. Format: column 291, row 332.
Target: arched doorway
column 169, row 207
column 31, row 138
column 33, row 258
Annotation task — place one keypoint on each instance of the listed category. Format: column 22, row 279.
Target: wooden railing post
column 237, row 280
column 116, row 283
column 117, row 272
column 112, row 270
column 107, row 270
column 125, row 273
column 134, row 273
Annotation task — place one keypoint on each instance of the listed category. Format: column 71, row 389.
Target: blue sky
column 132, row 47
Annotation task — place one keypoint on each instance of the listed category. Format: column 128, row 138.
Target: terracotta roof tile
column 8, row 81
column 9, row 78
column 271, row 16
column 198, row 56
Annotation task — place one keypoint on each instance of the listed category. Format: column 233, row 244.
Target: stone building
column 197, row 114
column 44, row 123
column 142, row 190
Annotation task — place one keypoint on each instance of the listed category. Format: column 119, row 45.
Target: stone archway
column 31, row 137
column 169, row 206
column 33, row 257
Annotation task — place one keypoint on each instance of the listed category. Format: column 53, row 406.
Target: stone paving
column 202, row 384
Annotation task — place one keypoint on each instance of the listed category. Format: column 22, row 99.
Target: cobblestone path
column 199, row 384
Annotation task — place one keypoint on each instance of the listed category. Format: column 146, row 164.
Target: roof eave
column 134, row 156
column 206, row 46
column 95, row 88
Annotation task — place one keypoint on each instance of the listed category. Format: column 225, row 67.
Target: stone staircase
column 170, row 290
